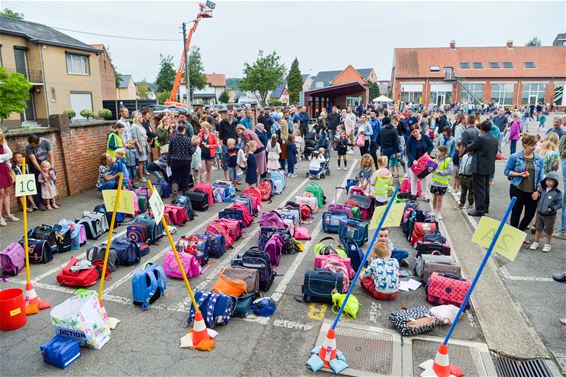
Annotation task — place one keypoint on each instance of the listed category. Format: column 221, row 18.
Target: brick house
column 342, row 88
column 107, row 74
column 509, row 75
column 64, row 71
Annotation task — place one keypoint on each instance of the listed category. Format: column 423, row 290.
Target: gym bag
column 319, row 284
column 80, row 278
column 189, row 262
column 413, row 321
column 216, row 308
column 199, row 200
column 148, row 284
column 96, row 253
column 39, row 251
column 47, row 234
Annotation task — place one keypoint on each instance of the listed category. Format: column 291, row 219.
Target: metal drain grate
column 466, row 358
column 507, row 367
column 366, row 351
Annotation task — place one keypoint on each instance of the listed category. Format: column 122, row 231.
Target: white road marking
column 282, row 286
column 374, row 312
column 291, row 325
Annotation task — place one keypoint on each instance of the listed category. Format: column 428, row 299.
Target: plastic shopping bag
column 81, row 317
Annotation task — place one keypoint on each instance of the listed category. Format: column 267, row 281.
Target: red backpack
column 255, row 195
column 234, row 227
column 306, row 211
column 217, row 227
column 247, row 217
column 206, row 188
column 177, row 215
column 265, row 189
column 80, row 278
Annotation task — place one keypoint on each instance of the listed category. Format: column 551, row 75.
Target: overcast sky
column 322, row 35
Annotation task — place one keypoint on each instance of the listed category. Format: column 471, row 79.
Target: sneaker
column 13, row 218
column 546, row 248
column 3, row 222
column 34, row 207
column 534, row 245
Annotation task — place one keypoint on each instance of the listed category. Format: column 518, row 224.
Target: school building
column 509, row 75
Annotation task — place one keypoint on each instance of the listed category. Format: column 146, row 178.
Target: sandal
column 526, row 242
column 55, row 206
column 49, row 207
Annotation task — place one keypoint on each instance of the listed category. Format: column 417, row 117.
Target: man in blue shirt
column 376, row 126
column 304, row 121
column 247, row 120
column 556, row 127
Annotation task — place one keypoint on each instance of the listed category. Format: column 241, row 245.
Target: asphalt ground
column 147, row 343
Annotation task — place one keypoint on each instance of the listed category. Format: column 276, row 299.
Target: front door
column 29, row 113
column 532, row 99
column 440, row 98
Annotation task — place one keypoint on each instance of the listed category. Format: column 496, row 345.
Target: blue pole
column 480, row 269
column 363, row 262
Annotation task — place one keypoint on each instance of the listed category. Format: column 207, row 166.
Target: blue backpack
column 216, row 308
column 148, row 284
column 165, row 190
column 355, row 252
column 128, row 251
column 278, row 181
column 216, row 244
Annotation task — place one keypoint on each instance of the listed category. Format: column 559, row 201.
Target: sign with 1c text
column 25, row 185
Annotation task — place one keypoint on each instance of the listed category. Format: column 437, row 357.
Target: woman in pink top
column 249, row 135
column 514, row 133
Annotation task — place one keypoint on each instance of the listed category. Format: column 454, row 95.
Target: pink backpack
column 82, row 233
column 337, row 266
column 319, row 260
column 406, row 186
column 190, row 265
column 255, row 195
column 12, row 259
column 136, row 204
column 302, row 233
column 247, row 218
column 356, row 190
column 207, row 189
column 274, row 248
column 178, row 215
column 271, row 219
column 233, row 226
column 216, row 227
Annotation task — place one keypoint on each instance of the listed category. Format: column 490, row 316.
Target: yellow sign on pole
column 509, row 242
column 125, row 204
column 393, row 218
column 157, row 206
column 25, row 185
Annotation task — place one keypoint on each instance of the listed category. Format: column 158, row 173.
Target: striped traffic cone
column 33, row 303
column 441, row 365
column 328, row 350
column 200, row 337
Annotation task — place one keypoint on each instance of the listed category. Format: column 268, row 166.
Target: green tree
column 294, row 82
column 535, row 42
column 224, row 97
column 14, row 93
column 263, row 75
column 162, row 97
column 166, row 75
column 11, row 14
column 373, row 90
column 233, row 83
column 197, row 78
column 143, row 89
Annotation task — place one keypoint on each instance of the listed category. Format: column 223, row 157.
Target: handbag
column 352, row 306
column 413, row 321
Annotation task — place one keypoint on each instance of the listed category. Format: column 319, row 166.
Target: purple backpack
column 12, row 259
column 271, row 219
column 274, row 248
column 190, row 265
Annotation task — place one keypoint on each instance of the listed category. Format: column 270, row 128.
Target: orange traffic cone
column 33, row 303
column 200, row 337
column 441, row 365
column 328, row 350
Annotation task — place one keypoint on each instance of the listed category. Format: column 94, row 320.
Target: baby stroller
column 310, row 145
column 324, row 166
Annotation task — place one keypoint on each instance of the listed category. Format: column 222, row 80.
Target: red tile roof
column 215, row 79
column 550, row 61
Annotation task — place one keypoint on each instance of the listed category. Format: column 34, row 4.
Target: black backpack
column 39, row 251
column 127, row 251
column 259, row 260
column 47, row 234
column 63, row 238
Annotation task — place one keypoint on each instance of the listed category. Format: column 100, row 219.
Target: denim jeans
column 108, row 185
column 563, row 221
column 399, row 254
column 513, row 146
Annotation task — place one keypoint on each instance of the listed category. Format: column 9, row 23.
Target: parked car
column 220, row 107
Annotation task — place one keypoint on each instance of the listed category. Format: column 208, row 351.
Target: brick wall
column 76, row 149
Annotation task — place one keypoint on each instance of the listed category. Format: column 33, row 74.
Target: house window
column 533, row 92
column 411, row 93
column 434, row 68
column 319, row 84
column 470, row 90
column 530, row 65
column 478, row 65
column 77, row 64
column 502, row 93
column 507, row 65
column 558, row 97
column 464, row 65
column 493, row 65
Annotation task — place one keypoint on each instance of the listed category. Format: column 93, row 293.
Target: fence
column 132, row 105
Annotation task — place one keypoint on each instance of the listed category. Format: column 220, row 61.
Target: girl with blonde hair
column 549, row 152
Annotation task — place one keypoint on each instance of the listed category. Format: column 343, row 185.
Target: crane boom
column 205, row 12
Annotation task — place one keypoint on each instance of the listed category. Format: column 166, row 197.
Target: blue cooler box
column 60, row 351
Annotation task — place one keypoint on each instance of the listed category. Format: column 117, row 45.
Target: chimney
column 452, row 45
column 510, row 43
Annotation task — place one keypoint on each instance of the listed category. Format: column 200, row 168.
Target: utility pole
column 186, row 65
